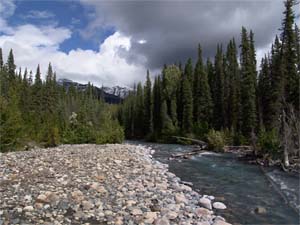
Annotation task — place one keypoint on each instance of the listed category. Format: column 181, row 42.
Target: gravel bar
column 98, row 184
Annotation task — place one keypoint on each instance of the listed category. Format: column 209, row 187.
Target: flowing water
column 242, row 187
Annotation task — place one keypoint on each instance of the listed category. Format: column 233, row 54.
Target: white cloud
column 35, row 14
column 33, row 45
column 40, row 45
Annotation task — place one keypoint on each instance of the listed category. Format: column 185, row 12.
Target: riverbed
column 241, row 186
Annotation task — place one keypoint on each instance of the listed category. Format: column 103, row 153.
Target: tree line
column 36, row 112
column 225, row 98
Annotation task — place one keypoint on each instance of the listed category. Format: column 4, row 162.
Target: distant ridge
column 112, row 95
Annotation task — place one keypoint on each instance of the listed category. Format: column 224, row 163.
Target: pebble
column 205, row 202
column 219, row 205
column 162, row 221
column 180, row 198
column 28, row 208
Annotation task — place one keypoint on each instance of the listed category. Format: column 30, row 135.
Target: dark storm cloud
column 173, row 29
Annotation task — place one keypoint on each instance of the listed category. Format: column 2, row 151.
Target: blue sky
column 70, row 14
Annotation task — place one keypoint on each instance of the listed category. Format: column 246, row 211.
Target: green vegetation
column 226, row 101
column 215, row 140
column 47, row 114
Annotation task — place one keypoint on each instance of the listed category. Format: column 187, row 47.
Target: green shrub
column 110, row 132
column 228, row 136
column 268, row 142
column 216, row 140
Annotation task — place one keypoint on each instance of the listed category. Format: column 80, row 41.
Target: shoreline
column 94, row 184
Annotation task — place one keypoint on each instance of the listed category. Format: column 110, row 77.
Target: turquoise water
column 242, row 187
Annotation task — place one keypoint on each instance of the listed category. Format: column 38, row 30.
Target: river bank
column 97, row 184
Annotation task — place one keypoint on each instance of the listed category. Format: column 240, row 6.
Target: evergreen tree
column 233, row 101
column 288, row 54
column 248, row 85
column 277, row 84
column 202, row 96
column 157, row 105
column 188, row 70
column 1, row 59
column 11, row 67
column 218, row 89
column 139, row 112
column 148, row 106
column 264, row 99
column 187, row 101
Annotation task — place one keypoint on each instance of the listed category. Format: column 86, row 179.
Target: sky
column 114, row 42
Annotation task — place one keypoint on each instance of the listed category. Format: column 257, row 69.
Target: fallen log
column 185, row 155
column 192, row 140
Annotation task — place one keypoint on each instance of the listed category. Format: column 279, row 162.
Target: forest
column 42, row 113
column 223, row 101
column 226, row 101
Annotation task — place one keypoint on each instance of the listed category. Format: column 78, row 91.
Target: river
column 241, row 186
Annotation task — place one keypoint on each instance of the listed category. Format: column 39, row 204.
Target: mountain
column 122, row 92
column 112, row 95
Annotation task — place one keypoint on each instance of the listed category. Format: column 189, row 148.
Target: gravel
column 96, row 184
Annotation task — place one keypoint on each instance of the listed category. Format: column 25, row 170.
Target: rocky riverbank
column 97, row 184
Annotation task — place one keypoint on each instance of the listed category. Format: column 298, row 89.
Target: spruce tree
column 188, row 70
column 187, row 101
column 139, row 111
column 202, row 96
column 218, row 91
column 233, row 101
column 288, row 55
column 148, row 106
column 11, row 67
column 248, row 85
column 157, row 105
column 1, row 59
column 277, row 84
column 264, row 99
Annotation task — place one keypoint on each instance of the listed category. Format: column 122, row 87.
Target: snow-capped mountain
column 122, row 92
column 112, row 95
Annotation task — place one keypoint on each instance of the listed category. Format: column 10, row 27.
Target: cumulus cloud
column 34, row 45
column 174, row 28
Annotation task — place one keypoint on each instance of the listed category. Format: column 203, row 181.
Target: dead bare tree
column 290, row 134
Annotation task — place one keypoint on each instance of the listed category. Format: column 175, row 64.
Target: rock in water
column 260, row 210
column 219, row 205
column 205, row 202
